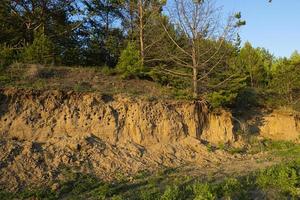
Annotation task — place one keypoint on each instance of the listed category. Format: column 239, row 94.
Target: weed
column 142, row 174
column 149, row 194
column 83, row 87
column 117, row 197
column 121, row 178
column 283, row 149
column 4, row 80
column 203, row 191
column 171, row 193
column 283, row 178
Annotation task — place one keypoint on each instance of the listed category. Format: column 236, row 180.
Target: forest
column 190, row 46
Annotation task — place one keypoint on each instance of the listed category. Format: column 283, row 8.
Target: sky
column 274, row 26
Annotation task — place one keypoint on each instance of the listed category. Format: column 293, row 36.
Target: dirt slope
column 55, row 115
column 44, row 133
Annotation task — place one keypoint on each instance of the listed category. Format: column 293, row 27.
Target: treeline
column 188, row 45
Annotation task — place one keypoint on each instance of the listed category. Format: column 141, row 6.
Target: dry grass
column 81, row 80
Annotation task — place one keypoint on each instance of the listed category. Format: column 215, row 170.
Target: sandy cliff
column 43, row 116
column 44, row 132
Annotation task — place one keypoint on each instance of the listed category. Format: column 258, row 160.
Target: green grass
column 284, row 149
column 277, row 182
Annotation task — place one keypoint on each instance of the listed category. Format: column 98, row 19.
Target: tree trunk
column 131, row 11
column 141, row 29
column 195, row 83
column 195, row 72
column 106, row 32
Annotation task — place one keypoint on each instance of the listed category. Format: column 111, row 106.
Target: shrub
column 171, row 193
column 231, row 187
column 6, row 56
column 4, row 80
column 221, row 99
column 149, row 194
column 83, row 87
column 40, row 51
column 129, row 63
column 117, row 197
column 203, row 192
column 282, row 178
column 246, row 98
column 108, row 70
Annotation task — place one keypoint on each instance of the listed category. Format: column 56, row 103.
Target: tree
column 199, row 38
column 144, row 16
column 256, row 64
column 11, row 26
column 22, row 18
column 130, row 63
column 41, row 51
column 286, row 79
column 104, row 37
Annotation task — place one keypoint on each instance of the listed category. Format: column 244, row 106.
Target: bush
column 41, row 51
column 149, row 194
column 221, row 99
column 231, row 187
column 284, row 179
column 171, row 193
column 129, row 63
column 246, row 98
column 108, row 70
column 6, row 56
column 203, row 192
column 4, row 79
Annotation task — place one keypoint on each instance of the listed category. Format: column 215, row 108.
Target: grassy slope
column 81, row 79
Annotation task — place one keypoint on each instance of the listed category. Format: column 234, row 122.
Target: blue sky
column 275, row 26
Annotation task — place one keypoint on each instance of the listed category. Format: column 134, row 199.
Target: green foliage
column 225, row 84
column 158, row 77
column 246, row 98
column 231, row 187
column 41, row 51
column 171, row 193
column 117, row 197
column 4, row 79
column 221, row 98
column 255, row 63
column 108, row 70
column 284, row 149
column 286, row 79
column 129, row 63
column 7, row 56
column 203, row 192
column 83, row 87
column 181, row 94
column 281, row 181
column 283, row 178
column 149, row 194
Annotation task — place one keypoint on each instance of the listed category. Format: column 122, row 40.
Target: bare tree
column 200, row 35
column 141, row 14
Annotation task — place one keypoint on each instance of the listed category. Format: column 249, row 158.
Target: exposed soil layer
column 45, row 132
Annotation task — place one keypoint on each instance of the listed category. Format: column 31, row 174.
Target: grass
column 277, row 182
column 283, row 149
column 88, row 79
